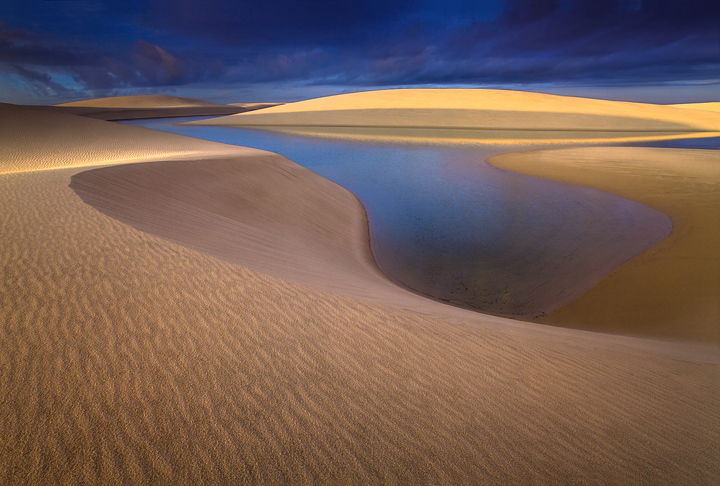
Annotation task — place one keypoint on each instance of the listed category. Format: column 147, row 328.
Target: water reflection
column 450, row 226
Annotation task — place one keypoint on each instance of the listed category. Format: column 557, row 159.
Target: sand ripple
column 128, row 358
column 125, row 358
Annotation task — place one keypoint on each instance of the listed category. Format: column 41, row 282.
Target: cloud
column 38, row 83
column 155, row 65
column 164, row 43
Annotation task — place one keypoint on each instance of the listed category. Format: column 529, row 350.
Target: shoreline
column 668, row 282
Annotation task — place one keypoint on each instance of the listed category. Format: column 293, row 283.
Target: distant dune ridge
column 147, row 106
column 140, row 101
column 475, row 109
column 127, row 358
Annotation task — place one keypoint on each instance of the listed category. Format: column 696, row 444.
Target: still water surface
column 446, row 224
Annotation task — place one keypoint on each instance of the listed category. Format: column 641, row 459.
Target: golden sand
column 712, row 106
column 673, row 289
column 127, row 358
column 475, row 109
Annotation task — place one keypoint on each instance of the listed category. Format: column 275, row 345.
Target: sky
column 661, row 51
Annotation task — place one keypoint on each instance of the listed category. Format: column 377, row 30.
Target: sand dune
column 673, row 289
column 127, row 358
column 140, row 101
column 712, row 106
column 37, row 139
column 475, row 109
column 145, row 106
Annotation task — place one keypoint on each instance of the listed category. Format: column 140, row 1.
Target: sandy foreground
column 127, row 357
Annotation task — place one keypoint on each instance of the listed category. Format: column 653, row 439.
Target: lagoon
column 447, row 225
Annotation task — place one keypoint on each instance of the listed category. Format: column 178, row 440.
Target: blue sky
column 285, row 50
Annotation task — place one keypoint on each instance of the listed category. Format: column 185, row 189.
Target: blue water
column 448, row 225
column 709, row 143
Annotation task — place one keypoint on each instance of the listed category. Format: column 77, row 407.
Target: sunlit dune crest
column 711, row 106
column 475, row 109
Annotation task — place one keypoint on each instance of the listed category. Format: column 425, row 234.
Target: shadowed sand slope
column 38, row 138
column 127, row 358
column 263, row 212
column 673, row 289
column 476, row 109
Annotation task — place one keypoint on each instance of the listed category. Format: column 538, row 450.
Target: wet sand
column 127, row 357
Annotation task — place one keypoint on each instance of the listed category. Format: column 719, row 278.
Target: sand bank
column 475, row 109
column 673, row 289
column 475, row 137
column 126, row 357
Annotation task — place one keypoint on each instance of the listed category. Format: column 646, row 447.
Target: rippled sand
column 126, row 357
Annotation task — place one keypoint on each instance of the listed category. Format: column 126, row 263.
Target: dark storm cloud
column 551, row 40
column 108, row 45
column 278, row 22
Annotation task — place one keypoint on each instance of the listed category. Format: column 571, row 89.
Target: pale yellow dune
column 711, row 106
column 673, row 289
column 127, row 358
column 140, row 101
column 475, row 109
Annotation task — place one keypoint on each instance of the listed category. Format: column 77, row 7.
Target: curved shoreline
column 673, row 289
column 478, row 238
